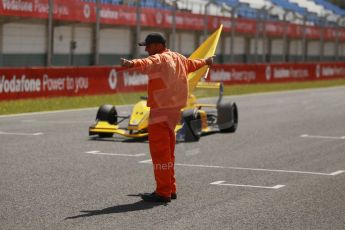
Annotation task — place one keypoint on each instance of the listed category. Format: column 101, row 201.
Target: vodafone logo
column 268, row 73
column 159, row 18
column 87, row 11
column 318, row 71
column 112, row 79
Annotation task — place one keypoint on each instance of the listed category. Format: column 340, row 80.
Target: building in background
column 99, row 32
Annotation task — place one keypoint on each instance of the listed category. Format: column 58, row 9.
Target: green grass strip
column 59, row 103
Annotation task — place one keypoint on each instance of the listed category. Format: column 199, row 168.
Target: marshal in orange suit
column 167, row 94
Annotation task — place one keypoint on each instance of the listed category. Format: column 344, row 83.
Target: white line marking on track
column 21, row 134
column 55, row 122
column 322, row 137
column 46, row 112
column 337, row 173
column 95, row 152
column 145, row 161
column 218, row 182
column 221, row 183
column 256, row 169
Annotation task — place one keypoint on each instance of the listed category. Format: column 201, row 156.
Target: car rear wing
column 212, row 85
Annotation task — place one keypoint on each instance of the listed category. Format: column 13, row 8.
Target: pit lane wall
column 24, row 83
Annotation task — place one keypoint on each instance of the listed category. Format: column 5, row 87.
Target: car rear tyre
column 227, row 117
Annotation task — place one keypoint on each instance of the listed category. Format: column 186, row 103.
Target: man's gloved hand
column 126, row 63
column 209, row 60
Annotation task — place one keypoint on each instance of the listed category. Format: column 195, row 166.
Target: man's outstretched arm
column 196, row 64
column 150, row 64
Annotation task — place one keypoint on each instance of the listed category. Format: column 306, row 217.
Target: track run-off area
column 284, row 168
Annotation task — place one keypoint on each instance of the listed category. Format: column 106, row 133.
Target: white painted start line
column 255, row 169
column 96, row 152
column 322, row 137
column 61, row 122
column 21, row 134
column 221, row 183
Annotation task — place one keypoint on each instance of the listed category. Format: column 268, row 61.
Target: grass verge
column 48, row 104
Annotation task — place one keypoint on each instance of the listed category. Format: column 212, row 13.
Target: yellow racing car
column 196, row 118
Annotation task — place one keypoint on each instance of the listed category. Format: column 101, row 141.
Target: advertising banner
column 237, row 74
column 22, row 83
column 330, row 70
column 51, row 82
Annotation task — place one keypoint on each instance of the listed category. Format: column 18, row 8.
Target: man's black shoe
column 153, row 197
column 173, row 196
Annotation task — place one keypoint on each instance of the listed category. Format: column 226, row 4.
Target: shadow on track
column 120, row 140
column 137, row 206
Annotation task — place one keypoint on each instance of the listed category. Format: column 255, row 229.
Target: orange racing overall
column 167, row 94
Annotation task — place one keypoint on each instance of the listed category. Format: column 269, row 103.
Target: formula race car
column 196, row 118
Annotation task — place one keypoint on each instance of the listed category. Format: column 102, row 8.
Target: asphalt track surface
column 280, row 170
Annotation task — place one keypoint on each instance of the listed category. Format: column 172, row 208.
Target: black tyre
column 107, row 113
column 192, row 125
column 227, row 120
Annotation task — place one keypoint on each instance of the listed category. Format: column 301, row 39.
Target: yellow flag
column 206, row 49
